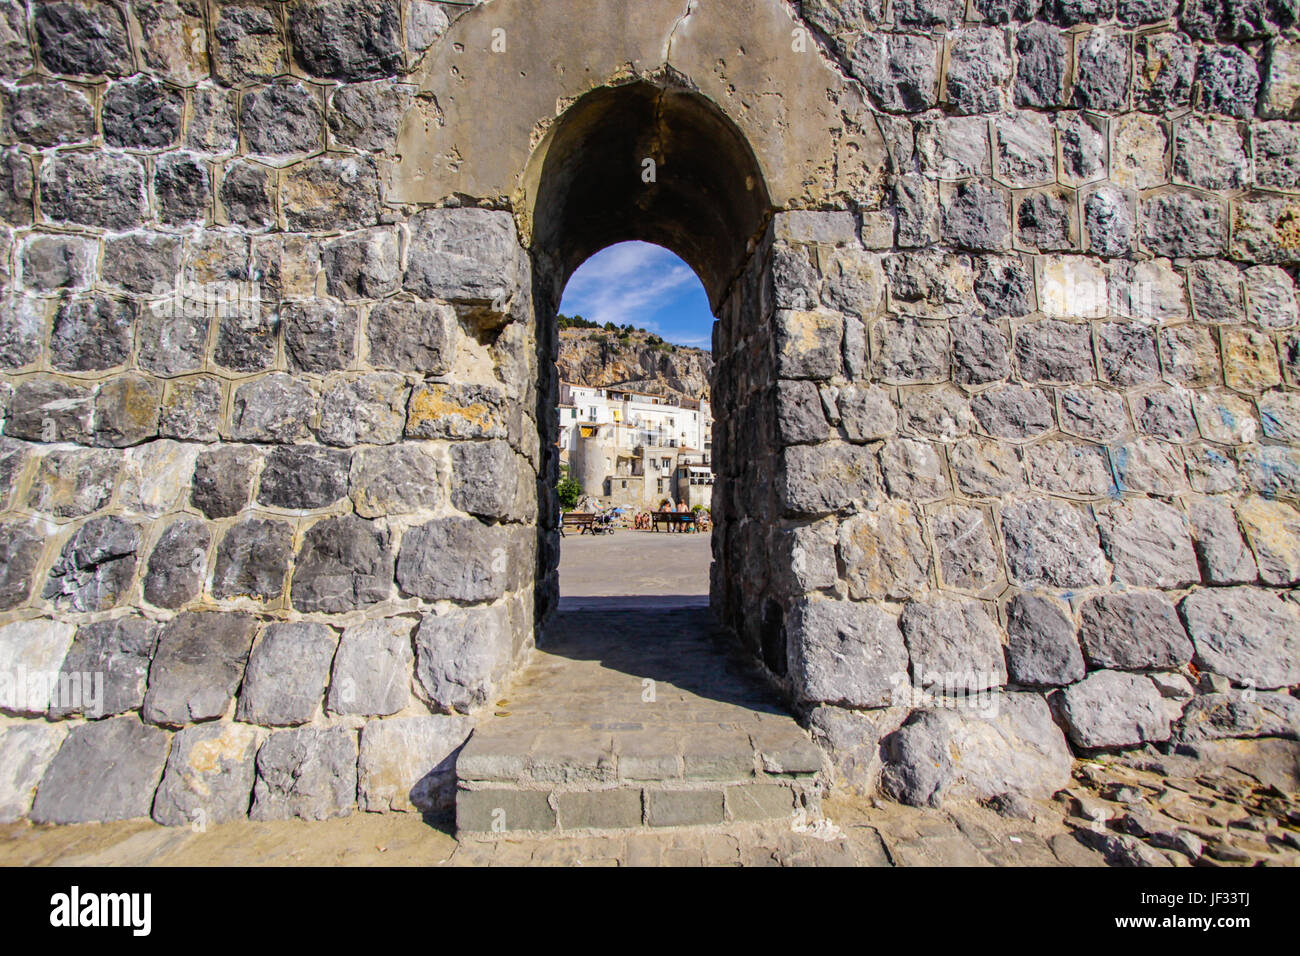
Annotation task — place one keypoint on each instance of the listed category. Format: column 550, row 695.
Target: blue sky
column 643, row 284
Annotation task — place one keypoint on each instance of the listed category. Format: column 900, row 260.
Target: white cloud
column 629, row 282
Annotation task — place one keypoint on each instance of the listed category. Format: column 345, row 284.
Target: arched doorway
column 658, row 162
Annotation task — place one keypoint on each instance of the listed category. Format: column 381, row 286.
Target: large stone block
column 953, row 643
column 282, row 118
column 412, row 336
column 1249, row 635
column 372, row 668
column 455, row 412
column 1052, row 544
column 83, row 39
column 274, row 408
column 461, row 654
column 463, row 255
column 815, row 479
column 344, row 563
column 347, row 39
column 108, row 665
column 304, row 477
column 846, row 653
column 95, row 568
column 884, row 553
column 197, row 666
column 1041, row 646
column 409, row 763
column 106, row 770
column 248, row 43
column 21, row 544
column 31, row 654
column 308, row 772
column 397, row 479
column 209, row 775
column 1149, row 543
column 174, row 574
column 284, row 682
column 73, row 482
column 1010, row 745
column 808, row 344
column 1273, row 530
column 92, row 333
column 26, row 750
column 320, row 335
column 252, row 560
column 1137, row 630
column 486, row 478
column 1114, row 709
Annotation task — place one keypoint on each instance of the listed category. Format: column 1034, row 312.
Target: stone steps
column 629, row 720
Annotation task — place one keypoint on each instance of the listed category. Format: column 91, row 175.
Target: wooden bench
column 679, row 520
column 577, row 519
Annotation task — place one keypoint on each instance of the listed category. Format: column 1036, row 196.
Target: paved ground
column 639, row 568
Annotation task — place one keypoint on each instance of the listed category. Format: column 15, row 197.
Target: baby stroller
column 603, row 523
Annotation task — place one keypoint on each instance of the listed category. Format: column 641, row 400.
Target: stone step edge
column 529, row 782
column 511, row 811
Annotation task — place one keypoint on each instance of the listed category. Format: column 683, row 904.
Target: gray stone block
column 309, row 773
column 197, row 666
column 284, row 682
column 105, row 770
column 209, row 776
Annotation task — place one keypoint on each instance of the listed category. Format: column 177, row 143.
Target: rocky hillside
column 633, row 359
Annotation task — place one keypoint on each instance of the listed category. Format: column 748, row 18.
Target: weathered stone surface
column 975, row 215
column 116, row 652
column 105, row 770
column 197, row 666
column 1109, row 218
column 174, row 575
column 126, row 411
column 1222, row 551
column 1219, row 716
column 1189, row 355
column 173, row 38
column 409, row 763
column 308, row 772
column 1084, row 150
column 347, row 39
column 978, row 70
column 304, row 477
column 191, row 410
column 900, row 71
column 49, row 114
column 91, row 333
column 1228, row 81
column 252, row 560
column 95, row 567
column 1010, row 747
column 363, row 265
column 209, row 775
column 963, row 540
column 1262, row 227
column 953, row 643
column 808, row 344
column 1051, row 350
column 1248, row 635
column 247, row 340
column 396, row 480
column 799, row 414
column 344, row 563
column 1210, row 153
column 15, row 47
column 1013, row 412
column 21, row 544
column 22, row 332
column 368, row 410
column 1042, row 59
column 248, row 43
column 183, row 189
column 459, row 559
column 463, row 255
column 213, row 126
column 282, row 118
column 408, row 336
column 913, row 470
column 247, row 194
column 284, row 682
column 223, row 479
column 1273, row 530
column 485, row 478
column 884, row 553
column 908, row 351
column 953, row 148
column 1114, row 709
column 82, row 39
column 1166, row 414
column 1138, row 630
column 31, row 652
column 460, row 655
column 985, row 469
column 1280, row 96
column 1052, row 544
column 1181, row 223
column 1041, row 646
column 372, row 668
column 463, row 412
column 368, row 115
column 821, row 478
column 941, row 413
column 320, row 336
column 142, row 113
column 1093, row 413
column 16, row 187
column 1149, row 544
column 1163, row 74
column 26, row 750
column 980, row 351
column 330, row 193
column 847, row 653
column 75, row 482
column 273, row 408
column 866, row 412
column 1271, row 295
column 1067, row 468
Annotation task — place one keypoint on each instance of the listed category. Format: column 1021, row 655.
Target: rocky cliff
column 638, row 360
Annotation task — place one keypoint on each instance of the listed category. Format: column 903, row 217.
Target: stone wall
column 1006, row 383
column 1036, row 445
column 269, row 456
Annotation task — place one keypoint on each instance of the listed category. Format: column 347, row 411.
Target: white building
column 627, row 446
